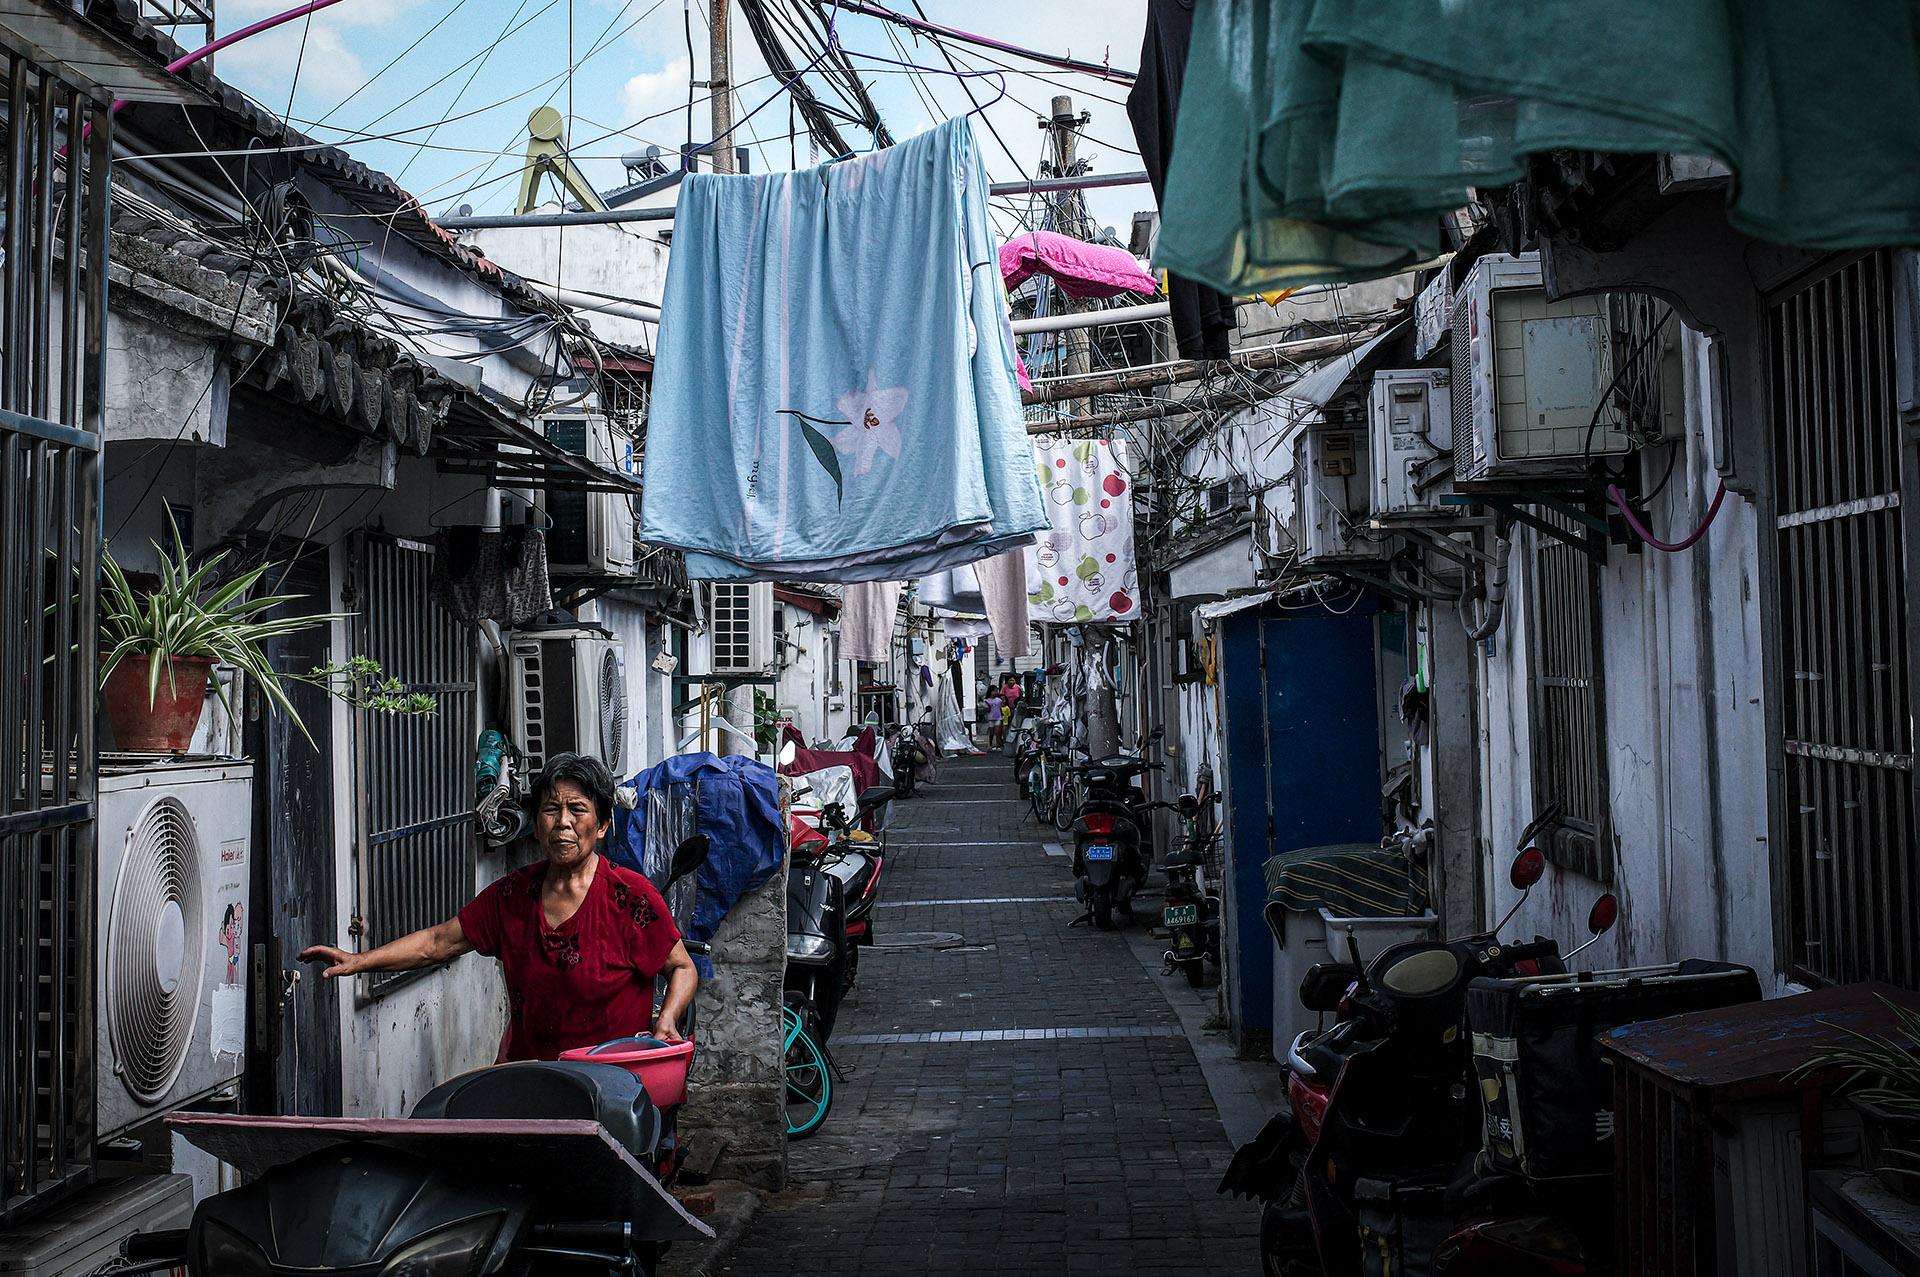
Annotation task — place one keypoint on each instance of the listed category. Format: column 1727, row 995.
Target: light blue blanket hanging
column 834, row 395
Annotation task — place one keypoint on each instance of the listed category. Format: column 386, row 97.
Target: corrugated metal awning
column 1323, row 383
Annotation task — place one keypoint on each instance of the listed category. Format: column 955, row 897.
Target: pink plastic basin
column 662, row 1069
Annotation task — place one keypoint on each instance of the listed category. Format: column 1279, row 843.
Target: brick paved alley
column 1020, row 1095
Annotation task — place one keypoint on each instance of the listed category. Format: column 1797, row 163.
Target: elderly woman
column 581, row 938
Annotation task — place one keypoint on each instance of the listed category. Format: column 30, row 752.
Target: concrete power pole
column 1102, row 711
column 720, row 85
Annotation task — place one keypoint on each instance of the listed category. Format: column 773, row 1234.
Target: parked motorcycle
column 911, row 748
column 1191, row 912
column 833, row 878
column 351, row 1197
column 1398, row 1150
column 1112, row 841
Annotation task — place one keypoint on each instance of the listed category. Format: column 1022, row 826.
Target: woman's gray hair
column 584, row 770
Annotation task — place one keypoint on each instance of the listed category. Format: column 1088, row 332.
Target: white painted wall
column 1686, row 743
column 627, row 261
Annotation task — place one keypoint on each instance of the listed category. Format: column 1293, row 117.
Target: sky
column 456, row 79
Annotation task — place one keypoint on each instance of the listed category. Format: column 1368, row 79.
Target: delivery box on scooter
column 1546, row 1097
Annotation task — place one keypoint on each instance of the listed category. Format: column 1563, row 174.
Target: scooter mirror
column 1605, row 912
column 688, row 857
column 1527, row 869
column 788, row 752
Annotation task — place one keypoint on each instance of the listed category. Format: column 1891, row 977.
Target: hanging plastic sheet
column 950, row 733
column 1323, row 139
column 1082, row 568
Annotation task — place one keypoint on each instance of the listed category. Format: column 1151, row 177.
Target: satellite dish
column 546, row 125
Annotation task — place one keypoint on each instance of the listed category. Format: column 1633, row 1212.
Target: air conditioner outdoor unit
column 171, row 1014
column 1330, row 472
column 83, row 1233
column 1410, row 427
column 593, row 532
column 569, row 690
column 1528, row 377
column 740, row 626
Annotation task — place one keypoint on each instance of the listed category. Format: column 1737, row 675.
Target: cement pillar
column 737, row 1090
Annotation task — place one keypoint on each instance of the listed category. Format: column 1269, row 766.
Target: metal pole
column 719, row 74
column 493, row 221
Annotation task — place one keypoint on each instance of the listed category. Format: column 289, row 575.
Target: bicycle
column 809, row 1077
column 1040, row 787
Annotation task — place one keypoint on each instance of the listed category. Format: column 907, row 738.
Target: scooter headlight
column 456, row 1251
column 809, row 947
column 226, row 1252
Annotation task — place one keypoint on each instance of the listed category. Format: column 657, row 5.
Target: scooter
column 1190, row 911
column 1385, row 1152
column 533, row 1166
column 833, row 877
column 910, row 753
column 1112, row 847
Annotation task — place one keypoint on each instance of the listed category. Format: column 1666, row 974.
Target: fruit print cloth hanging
column 1081, row 569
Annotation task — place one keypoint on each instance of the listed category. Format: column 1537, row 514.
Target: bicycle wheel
column 1066, row 804
column 808, row 1076
column 1040, row 793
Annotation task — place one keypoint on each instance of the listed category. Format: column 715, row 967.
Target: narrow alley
column 1020, row 1095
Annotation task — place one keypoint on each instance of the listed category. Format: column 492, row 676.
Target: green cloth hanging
column 1322, row 140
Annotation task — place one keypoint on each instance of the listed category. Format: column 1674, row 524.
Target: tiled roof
column 339, row 168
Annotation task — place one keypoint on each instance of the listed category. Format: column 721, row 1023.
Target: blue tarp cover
column 738, row 809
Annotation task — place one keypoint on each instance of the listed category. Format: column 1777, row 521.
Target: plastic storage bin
column 1321, row 936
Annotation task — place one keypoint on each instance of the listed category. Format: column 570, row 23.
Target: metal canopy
column 85, row 56
column 1323, row 383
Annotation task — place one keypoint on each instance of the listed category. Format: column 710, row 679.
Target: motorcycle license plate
column 1182, row 915
column 1100, row 851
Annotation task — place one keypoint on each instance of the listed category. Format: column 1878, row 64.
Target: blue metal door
column 1303, row 763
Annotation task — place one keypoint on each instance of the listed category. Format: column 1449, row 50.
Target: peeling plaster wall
column 1685, row 733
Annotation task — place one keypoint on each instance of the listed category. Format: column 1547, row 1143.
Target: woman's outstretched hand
column 339, row 961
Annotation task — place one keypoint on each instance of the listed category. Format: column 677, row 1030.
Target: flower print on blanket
column 869, row 423
column 1082, row 569
column 873, row 423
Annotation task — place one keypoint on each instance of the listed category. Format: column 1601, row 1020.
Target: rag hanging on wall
column 486, row 572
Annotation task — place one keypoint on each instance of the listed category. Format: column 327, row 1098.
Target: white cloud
column 652, row 92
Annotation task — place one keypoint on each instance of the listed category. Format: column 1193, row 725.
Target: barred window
column 1849, row 888
column 415, row 780
column 1568, row 720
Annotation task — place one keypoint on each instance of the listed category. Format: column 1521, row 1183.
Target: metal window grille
column 52, row 289
column 1568, row 720
column 1846, row 728
column 416, row 772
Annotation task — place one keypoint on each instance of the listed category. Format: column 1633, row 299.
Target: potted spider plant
column 158, row 647
column 1880, row 1076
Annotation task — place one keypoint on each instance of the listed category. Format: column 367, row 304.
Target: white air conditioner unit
column 593, row 532
column 171, row 1015
column 740, row 627
column 1330, row 474
column 1410, row 427
column 569, row 689
column 1528, row 377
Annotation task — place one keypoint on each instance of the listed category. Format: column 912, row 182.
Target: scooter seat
column 570, row 1089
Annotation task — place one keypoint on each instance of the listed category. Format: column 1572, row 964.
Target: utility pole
column 1070, row 218
column 720, row 85
column 1102, row 711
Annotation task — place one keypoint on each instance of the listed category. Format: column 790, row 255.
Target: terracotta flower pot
column 167, row 725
